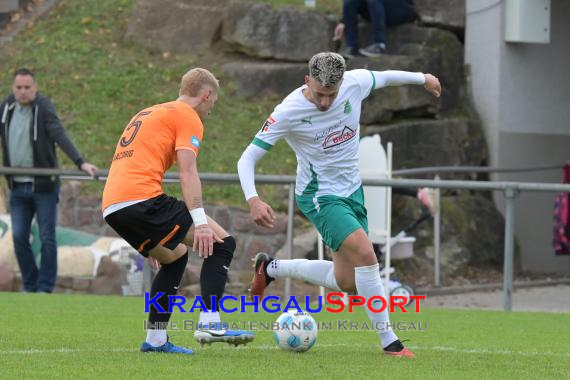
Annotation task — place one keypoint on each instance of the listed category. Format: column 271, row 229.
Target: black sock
column 167, row 280
column 214, row 273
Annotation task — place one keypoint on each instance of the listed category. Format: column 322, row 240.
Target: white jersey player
column 321, row 123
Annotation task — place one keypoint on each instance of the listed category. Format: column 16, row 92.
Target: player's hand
column 89, row 168
column 432, row 85
column 338, row 31
column 204, row 238
column 261, row 212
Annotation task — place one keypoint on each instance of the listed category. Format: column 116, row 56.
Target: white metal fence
column 509, row 189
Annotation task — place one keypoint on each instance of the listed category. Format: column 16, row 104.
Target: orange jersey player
column 162, row 227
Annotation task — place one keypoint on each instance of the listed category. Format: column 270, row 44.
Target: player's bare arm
column 191, row 186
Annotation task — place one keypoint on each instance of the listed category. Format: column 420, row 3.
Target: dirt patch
column 546, row 298
column 526, row 297
column 472, row 276
column 25, row 17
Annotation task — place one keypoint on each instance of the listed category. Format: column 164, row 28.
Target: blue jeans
column 24, row 203
column 379, row 13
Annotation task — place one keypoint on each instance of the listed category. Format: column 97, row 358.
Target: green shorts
column 335, row 217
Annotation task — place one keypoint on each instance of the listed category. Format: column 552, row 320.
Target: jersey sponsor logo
column 195, row 141
column 123, row 154
column 321, row 135
column 268, row 123
column 339, row 137
column 347, row 107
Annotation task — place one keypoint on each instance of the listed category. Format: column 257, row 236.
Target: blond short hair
column 194, row 80
column 327, row 68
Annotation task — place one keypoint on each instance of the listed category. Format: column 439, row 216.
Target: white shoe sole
column 204, row 337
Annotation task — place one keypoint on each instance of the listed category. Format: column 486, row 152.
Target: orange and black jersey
column 147, row 149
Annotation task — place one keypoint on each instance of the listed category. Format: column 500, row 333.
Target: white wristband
column 198, row 216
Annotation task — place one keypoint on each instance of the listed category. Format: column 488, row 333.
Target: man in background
column 30, row 129
column 379, row 13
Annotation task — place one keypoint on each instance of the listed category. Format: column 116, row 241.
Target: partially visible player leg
column 344, row 272
column 155, row 228
column 337, row 275
column 167, row 280
column 213, row 278
column 358, row 250
column 318, row 272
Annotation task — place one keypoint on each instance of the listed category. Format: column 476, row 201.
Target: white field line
column 62, row 351
column 273, row 347
column 490, row 352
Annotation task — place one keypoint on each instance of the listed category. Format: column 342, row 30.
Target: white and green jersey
column 326, row 143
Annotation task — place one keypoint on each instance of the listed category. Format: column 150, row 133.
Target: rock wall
column 84, row 213
column 268, row 48
column 264, row 52
column 9, row 9
column 177, row 26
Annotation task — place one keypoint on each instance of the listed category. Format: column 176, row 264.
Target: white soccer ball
column 296, row 331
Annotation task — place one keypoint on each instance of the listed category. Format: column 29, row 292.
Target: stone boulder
column 399, row 101
column 110, row 278
column 304, row 245
column 191, row 275
column 472, row 234
column 7, row 276
column 68, row 197
column 440, row 52
column 248, row 245
column 75, row 261
column 285, row 33
column 253, row 79
column 63, row 284
column 7, row 254
column 190, row 291
column 8, row 6
column 187, row 26
column 416, row 48
column 421, row 143
column 250, row 239
column 448, row 14
column 4, row 202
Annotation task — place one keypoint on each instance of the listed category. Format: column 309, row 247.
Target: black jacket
column 46, row 130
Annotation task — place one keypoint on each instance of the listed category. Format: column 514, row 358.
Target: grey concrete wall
column 535, row 80
column 522, row 94
column 483, row 42
column 533, row 213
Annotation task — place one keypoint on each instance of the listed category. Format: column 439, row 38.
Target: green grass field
column 82, row 336
column 98, row 80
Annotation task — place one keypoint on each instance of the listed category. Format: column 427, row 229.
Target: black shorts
column 161, row 220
